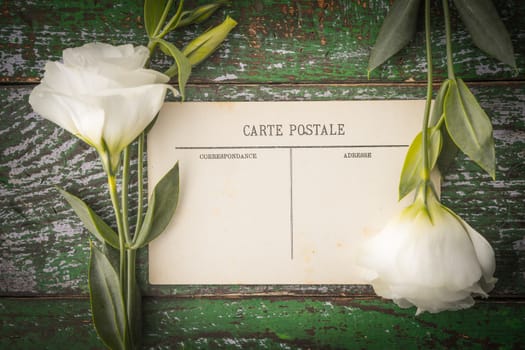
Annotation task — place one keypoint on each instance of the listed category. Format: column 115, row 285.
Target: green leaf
column 397, row 30
column 161, row 208
column 411, row 174
column 449, row 149
column 107, row 304
column 153, row 10
column 437, row 109
column 181, row 67
column 486, row 28
column 91, row 220
column 448, row 153
column 469, row 126
column 112, row 254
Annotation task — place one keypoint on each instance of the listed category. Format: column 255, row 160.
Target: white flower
column 101, row 94
column 428, row 257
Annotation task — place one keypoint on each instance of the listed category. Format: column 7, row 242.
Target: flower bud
column 200, row 14
column 205, row 44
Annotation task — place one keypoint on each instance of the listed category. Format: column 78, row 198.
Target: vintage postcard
column 276, row 192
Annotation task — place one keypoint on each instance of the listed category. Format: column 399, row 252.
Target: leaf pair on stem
column 157, row 27
column 479, row 16
column 161, row 207
column 117, row 314
column 458, row 121
column 114, row 292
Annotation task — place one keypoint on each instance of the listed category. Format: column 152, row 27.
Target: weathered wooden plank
column 44, row 248
column 46, row 324
column 268, row 323
column 276, row 40
column 281, row 50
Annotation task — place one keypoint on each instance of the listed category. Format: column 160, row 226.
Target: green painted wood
column 44, row 247
column 269, row 323
column 281, row 50
column 276, row 40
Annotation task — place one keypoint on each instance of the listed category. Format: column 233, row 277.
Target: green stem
column 124, row 194
column 131, row 294
column 129, row 287
column 112, row 182
column 121, row 219
column 152, row 44
column 140, row 183
column 163, row 18
column 172, row 20
column 448, row 34
column 426, row 117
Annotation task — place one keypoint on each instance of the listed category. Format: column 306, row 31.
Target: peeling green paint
column 282, row 50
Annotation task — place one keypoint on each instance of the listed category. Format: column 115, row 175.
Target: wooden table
column 281, row 50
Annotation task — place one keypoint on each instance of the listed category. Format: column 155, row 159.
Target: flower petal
column 485, row 255
column 453, row 251
column 81, row 118
column 434, row 299
column 42, row 100
column 93, row 54
column 74, row 81
column 128, row 112
column 420, row 251
column 79, row 81
column 129, row 78
column 426, row 257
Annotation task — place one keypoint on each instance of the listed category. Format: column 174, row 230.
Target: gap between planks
column 23, row 82
column 498, row 299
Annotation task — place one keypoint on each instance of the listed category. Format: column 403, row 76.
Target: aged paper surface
column 276, row 192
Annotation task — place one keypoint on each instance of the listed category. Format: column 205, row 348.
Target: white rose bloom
column 101, row 94
column 430, row 258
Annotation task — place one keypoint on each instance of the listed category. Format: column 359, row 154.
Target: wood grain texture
column 268, row 323
column 286, row 50
column 276, row 40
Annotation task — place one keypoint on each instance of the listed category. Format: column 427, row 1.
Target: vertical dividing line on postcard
column 291, row 204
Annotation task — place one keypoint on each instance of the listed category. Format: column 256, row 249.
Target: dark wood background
column 281, row 50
